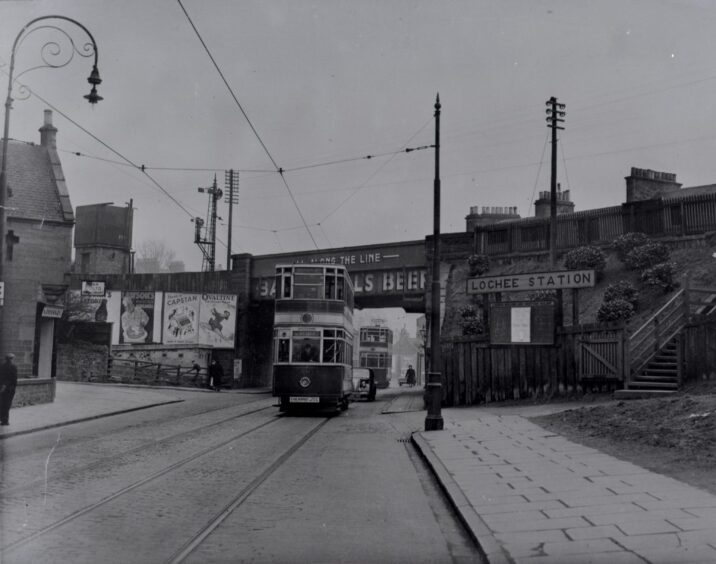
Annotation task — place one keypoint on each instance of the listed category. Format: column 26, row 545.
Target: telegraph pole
column 434, row 392
column 555, row 116
column 231, row 185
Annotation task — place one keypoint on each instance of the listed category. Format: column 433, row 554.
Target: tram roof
column 318, row 265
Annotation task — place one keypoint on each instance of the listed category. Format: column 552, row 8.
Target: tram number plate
column 302, row 399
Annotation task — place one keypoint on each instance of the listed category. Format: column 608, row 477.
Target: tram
column 313, row 336
column 375, row 351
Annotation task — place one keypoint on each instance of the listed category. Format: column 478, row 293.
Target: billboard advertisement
column 181, row 318
column 139, row 319
column 217, row 320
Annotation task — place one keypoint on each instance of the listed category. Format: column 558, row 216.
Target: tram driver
column 309, row 353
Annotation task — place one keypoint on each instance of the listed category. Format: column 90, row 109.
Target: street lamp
column 434, row 390
column 52, row 56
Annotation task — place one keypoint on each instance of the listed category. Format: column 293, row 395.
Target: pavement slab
column 533, row 496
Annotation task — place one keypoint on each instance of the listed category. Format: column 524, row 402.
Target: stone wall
column 81, row 362
column 32, row 391
column 42, row 256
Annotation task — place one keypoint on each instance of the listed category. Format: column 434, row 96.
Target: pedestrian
column 410, row 376
column 8, row 383
column 216, row 373
column 196, row 368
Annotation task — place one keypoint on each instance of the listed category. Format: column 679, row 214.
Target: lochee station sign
column 559, row 280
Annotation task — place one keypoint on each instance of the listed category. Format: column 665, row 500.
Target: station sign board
column 522, row 323
column 557, row 280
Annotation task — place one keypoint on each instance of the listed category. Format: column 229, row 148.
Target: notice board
column 523, row 323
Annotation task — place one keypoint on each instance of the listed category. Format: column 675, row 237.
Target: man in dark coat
column 8, row 383
column 410, row 375
column 216, row 373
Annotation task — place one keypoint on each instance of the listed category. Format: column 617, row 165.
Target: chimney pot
column 48, row 132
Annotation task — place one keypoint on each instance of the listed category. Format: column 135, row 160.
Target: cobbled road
column 226, row 478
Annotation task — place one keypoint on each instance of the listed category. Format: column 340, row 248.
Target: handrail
column 653, row 317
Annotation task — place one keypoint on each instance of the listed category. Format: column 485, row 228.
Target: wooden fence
column 475, row 371
column 690, row 215
column 143, row 372
column 699, row 346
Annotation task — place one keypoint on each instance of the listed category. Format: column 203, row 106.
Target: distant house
column 38, row 252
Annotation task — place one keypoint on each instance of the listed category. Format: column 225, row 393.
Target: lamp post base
column 434, row 423
column 434, row 398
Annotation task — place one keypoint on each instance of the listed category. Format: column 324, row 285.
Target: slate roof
column 36, row 184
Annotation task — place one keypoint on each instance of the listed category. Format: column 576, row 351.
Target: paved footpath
column 75, row 402
column 531, row 496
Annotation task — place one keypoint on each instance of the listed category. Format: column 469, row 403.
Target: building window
column 85, row 264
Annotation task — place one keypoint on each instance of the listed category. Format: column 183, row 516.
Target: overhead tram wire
column 120, row 155
column 539, row 170
column 375, row 173
column 564, row 163
column 251, row 125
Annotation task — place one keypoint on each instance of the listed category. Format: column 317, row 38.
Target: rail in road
column 167, row 490
column 116, row 456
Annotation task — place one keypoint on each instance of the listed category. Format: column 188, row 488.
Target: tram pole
column 434, row 387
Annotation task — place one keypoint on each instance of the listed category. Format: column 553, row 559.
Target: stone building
column 38, row 252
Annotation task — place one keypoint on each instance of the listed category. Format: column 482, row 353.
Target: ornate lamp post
column 53, row 56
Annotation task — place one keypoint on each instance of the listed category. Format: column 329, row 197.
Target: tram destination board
column 522, row 323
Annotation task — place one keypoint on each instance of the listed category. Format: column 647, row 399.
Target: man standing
column 410, row 376
column 216, row 373
column 8, row 383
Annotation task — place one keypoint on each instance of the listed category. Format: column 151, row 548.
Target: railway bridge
column 384, row 275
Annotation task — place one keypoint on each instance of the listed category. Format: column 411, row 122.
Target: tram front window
column 308, row 284
column 283, row 347
column 306, row 350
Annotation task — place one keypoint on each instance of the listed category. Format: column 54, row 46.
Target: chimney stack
column 48, row 133
column 647, row 184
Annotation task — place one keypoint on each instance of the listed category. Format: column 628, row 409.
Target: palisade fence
column 474, row 371
column 690, row 215
column 699, row 342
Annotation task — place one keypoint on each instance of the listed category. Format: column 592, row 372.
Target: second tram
column 313, row 336
column 376, row 352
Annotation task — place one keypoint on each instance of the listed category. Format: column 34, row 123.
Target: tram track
column 197, row 539
column 106, row 460
column 15, row 545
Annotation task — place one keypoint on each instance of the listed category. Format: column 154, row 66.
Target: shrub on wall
column 478, row 264
column 587, row 257
column 624, row 244
column 542, row 295
column 646, row 256
column 470, row 321
column 662, row 275
column 622, row 290
column 615, row 310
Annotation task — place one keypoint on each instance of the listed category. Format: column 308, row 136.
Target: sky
column 313, row 82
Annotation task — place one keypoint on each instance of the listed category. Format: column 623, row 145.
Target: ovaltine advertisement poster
column 217, row 320
column 137, row 321
column 181, row 318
